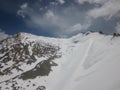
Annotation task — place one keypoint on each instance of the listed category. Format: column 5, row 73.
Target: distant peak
column 22, row 34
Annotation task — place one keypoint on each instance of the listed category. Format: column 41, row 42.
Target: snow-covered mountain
column 89, row 61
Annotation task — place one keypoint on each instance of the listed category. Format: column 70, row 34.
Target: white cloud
column 61, row 1
column 50, row 14
column 24, row 6
column 77, row 27
column 108, row 10
column 118, row 28
column 54, row 3
column 2, row 35
column 23, row 10
column 48, row 20
column 92, row 1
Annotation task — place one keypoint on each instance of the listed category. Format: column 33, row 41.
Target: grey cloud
column 118, row 27
column 3, row 35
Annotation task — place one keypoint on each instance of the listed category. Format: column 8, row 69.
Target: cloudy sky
column 59, row 18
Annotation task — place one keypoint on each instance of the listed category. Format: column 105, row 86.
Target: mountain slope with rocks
column 87, row 61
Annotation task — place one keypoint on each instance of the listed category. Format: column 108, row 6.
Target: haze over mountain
column 89, row 61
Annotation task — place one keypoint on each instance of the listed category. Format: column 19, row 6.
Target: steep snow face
column 92, row 64
column 84, row 62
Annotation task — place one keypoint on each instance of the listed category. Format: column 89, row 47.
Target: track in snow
column 72, row 67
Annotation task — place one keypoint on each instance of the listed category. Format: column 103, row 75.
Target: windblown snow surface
column 87, row 62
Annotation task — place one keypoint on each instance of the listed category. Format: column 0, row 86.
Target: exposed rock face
column 18, row 53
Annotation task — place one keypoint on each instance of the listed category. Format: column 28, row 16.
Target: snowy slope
column 83, row 62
